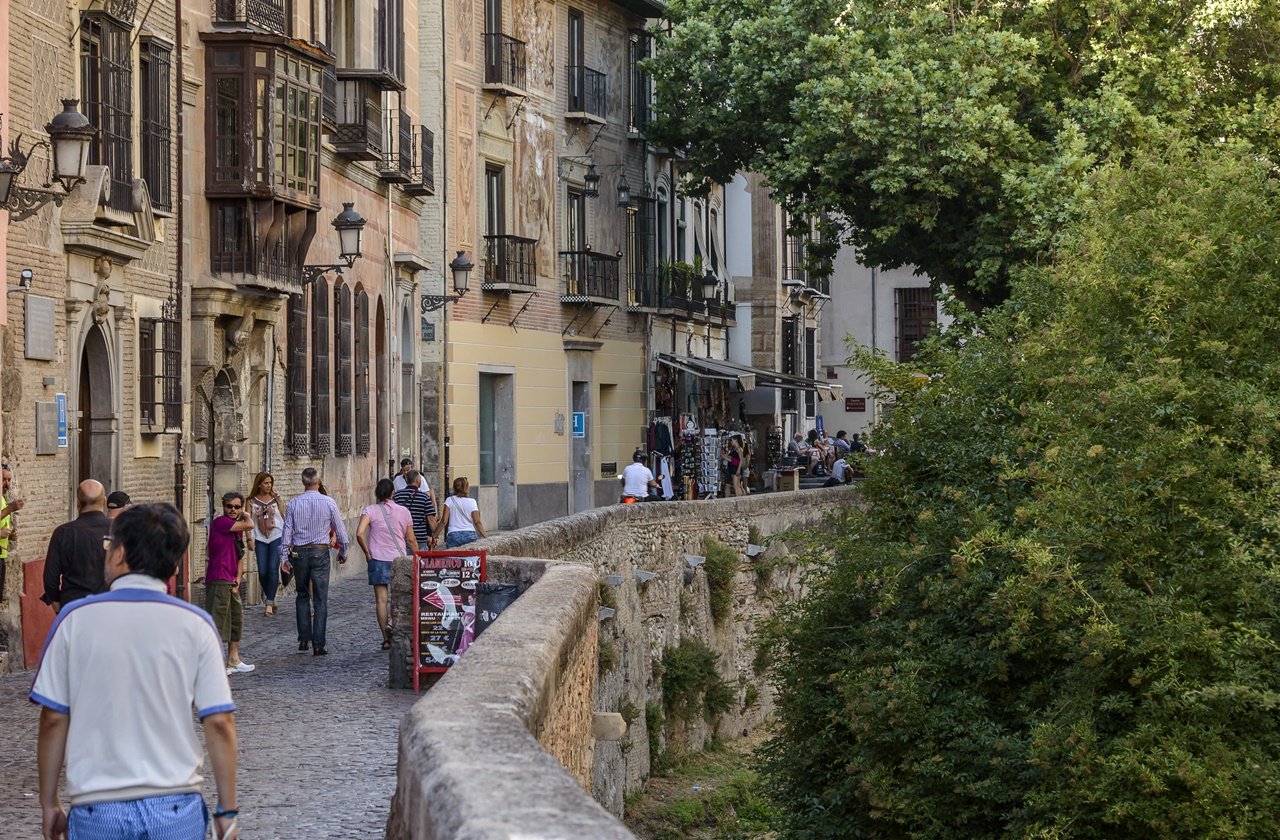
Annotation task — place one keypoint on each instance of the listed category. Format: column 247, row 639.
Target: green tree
column 957, row 139
column 1058, row 616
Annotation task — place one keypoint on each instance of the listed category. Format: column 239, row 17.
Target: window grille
column 362, row 373
column 147, row 415
column 790, row 342
column 640, row 86
column 171, row 359
column 106, row 84
column 810, row 370
column 320, row 403
column 296, row 409
column 154, row 96
column 916, row 311
column 342, row 384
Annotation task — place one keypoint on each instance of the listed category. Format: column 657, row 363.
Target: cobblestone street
column 317, row 734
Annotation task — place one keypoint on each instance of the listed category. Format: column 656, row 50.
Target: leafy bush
column 691, row 685
column 722, row 567
column 1059, row 618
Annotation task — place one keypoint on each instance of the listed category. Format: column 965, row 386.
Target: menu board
column 445, row 606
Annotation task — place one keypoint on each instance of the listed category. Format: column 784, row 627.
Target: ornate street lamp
column 461, row 267
column 350, row 225
column 71, row 136
column 624, row 192
column 591, row 182
column 710, row 285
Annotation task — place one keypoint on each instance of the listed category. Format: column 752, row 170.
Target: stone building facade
column 293, row 354
column 92, row 352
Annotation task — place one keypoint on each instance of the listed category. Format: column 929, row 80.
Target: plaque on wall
column 47, row 428
column 39, row 328
column 855, row 403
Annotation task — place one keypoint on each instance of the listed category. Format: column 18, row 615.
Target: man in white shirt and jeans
column 118, row 679
column 637, row 478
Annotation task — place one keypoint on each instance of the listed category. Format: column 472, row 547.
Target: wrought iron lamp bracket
column 430, row 303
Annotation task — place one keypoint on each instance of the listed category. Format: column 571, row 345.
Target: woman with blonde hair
column 461, row 522
column 266, row 511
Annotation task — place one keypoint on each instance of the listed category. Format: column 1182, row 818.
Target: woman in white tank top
column 462, row 523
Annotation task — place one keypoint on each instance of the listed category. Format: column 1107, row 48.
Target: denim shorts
column 379, row 572
column 457, row 538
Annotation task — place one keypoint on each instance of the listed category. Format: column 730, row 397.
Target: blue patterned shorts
column 181, row 816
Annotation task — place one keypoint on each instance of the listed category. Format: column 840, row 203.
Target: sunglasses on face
column 233, row 507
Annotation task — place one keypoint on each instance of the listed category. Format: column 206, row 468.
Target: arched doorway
column 96, row 430
column 380, row 364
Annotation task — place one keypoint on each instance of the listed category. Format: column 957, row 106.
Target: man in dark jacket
column 73, row 566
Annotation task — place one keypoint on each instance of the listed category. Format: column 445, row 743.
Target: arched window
column 342, row 370
column 362, row 373
column 320, row 440
column 297, row 404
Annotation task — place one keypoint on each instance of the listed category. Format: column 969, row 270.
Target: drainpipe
column 444, row 431
column 179, row 465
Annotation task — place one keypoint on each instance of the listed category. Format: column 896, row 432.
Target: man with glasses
column 73, row 563
column 117, row 683
column 223, row 575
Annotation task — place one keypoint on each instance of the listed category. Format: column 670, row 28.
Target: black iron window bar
column 504, row 61
column 267, row 15
column 587, row 91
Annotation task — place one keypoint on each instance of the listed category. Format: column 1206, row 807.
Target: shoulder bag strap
column 386, row 519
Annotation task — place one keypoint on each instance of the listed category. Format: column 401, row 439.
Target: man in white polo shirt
column 118, row 679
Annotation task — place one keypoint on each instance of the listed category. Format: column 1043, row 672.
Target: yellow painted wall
column 539, row 364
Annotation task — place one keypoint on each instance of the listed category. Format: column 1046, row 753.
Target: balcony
column 396, row 166
column 678, row 290
column 262, row 15
column 510, row 264
column 643, row 292
column 590, row 277
column 422, row 177
column 587, row 95
column 505, row 66
column 357, row 134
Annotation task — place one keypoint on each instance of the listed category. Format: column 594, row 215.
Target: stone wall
column 586, row 562
column 484, row 753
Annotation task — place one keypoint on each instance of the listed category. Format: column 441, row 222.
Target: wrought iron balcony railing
column 643, row 292
column 397, row 161
column 357, row 135
column 266, row 15
column 510, row 261
column 589, row 275
column 587, row 92
column 422, row 178
column 505, row 65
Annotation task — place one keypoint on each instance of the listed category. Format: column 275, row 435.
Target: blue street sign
column 817, row 424
column 62, row 419
column 579, row 424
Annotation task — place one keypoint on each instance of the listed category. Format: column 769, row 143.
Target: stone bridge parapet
column 503, row 745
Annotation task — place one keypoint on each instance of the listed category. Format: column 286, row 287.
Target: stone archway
column 96, row 431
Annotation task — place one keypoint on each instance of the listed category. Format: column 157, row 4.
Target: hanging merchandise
column 687, row 465
column 709, row 466
column 774, row 448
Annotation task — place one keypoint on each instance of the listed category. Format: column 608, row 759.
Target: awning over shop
column 749, row 378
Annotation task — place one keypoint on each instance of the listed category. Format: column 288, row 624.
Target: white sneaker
column 242, row 668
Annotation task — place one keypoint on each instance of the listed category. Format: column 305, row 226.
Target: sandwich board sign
column 445, row 590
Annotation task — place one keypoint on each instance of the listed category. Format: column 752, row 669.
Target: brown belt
column 313, row 545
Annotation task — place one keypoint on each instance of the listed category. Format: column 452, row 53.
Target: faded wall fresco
column 466, row 157
column 464, row 22
column 535, row 24
column 536, row 186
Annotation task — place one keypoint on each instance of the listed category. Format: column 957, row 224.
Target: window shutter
column 320, row 440
column 342, row 378
column 147, row 372
column 362, row 374
column 296, row 412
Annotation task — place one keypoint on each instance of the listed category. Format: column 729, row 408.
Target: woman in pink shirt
column 385, row 533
